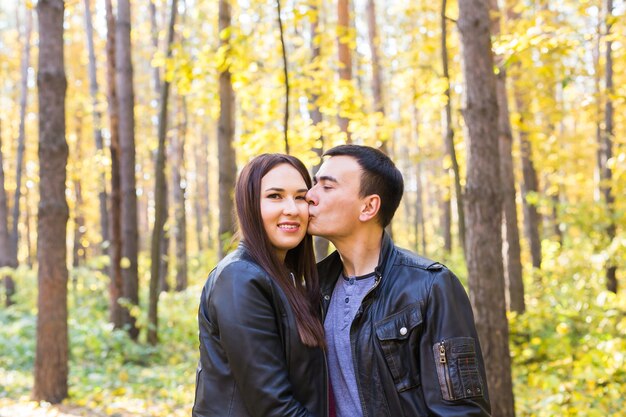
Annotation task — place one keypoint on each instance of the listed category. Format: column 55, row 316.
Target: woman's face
column 284, row 210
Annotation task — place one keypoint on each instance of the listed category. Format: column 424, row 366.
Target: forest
column 124, row 123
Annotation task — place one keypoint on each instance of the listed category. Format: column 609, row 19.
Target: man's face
column 334, row 201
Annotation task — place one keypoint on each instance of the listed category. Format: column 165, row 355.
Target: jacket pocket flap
column 398, row 326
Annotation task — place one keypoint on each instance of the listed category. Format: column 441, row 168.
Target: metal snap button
column 403, row 331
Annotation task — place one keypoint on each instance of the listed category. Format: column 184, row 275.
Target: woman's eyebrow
column 301, row 190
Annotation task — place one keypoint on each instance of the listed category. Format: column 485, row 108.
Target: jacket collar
column 330, row 267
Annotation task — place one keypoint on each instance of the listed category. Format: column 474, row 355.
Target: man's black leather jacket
column 414, row 343
column 252, row 362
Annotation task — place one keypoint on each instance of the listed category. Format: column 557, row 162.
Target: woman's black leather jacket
column 414, row 343
column 252, row 362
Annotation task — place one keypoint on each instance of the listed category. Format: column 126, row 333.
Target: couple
column 373, row 330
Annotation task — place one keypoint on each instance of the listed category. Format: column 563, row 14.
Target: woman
column 261, row 338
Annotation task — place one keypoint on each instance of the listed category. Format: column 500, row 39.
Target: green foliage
column 108, row 371
column 568, row 348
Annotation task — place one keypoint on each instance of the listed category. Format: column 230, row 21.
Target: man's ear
column 369, row 207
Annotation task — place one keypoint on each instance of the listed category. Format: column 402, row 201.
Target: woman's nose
column 290, row 206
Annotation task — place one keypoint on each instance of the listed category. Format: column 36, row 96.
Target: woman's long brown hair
column 304, row 296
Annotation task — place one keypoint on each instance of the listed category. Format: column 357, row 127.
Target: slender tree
column 21, row 141
column 377, row 78
column 597, row 79
column 154, row 33
column 285, row 75
column 419, row 226
column 512, row 250
column 51, row 357
column 159, row 194
column 5, row 244
column 201, row 198
column 607, row 148
column 97, row 121
column 29, row 216
column 79, row 250
column 321, row 244
column 316, row 53
column 178, row 192
column 529, row 184
column 345, row 56
column 116, row 287
column 164, row 258
column 484, row 203
column 126, row 100
column 453, row 169
column 225, row 138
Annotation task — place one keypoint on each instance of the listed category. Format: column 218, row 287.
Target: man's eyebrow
column 325, row 178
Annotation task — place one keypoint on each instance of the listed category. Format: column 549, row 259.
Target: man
column 400, row 330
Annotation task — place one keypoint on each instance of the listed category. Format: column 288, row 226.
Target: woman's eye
column 273, row 196
column 300, row 197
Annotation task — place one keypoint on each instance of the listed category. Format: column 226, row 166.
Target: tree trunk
column 225, row 138
column 286, row 75
column 420, row 231
column 446, row 220
column 116, row 288
column 529, row 187
column 5, row 243
column 126, row 100
column 529, row 175
column 420, row 226
column 78, row 253
column 164, row 257
column 511, row 245
column 377, row 79
column 159, row 195
column 598, row 95
column 97, row 121
column 22, row 138
column 607, row 150
column 321, row 244
column 156, row 84
column 484, row 203
column 449, row 142
column 201, row 201
column 154, row 33
column 345, row 59
column 29, row 216
column 51, row 357
column 180, row 215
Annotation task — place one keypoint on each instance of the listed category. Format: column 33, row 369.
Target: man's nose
column 311, row 197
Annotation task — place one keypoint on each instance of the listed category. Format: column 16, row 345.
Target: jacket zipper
column 326, row 375
column 327, row 383
column 443, row 360
column 360, row 310
column 354, row 362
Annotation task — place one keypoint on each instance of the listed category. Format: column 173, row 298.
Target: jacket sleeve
column 453, row 373
column 242, row 305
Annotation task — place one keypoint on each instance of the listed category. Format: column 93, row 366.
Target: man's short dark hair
column 380, row 176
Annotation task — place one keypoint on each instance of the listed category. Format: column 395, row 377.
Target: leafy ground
column 569, row 349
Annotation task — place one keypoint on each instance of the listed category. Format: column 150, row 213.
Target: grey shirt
column 344, row 304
